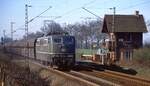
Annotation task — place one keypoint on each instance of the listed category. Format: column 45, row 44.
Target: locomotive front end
column 64, row 49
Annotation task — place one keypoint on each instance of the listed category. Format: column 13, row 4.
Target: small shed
column 128, row 33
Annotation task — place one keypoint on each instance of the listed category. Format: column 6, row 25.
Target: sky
column 68, row 11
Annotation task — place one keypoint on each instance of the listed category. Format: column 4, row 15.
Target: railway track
column 103, row 78
column 90, row 78
column 115, row 77
column 100, row 78
column 118, row 78
column 133, row 79
column 86, row 80
column 69, row 76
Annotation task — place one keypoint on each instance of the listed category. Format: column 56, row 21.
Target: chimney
column 137, row 13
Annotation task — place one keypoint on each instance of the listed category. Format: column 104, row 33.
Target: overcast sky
column 70, row 11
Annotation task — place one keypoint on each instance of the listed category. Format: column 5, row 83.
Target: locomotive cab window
column 68, row 40
column 57, row 40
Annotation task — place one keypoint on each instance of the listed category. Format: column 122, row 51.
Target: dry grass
column 38, row 76
column 142, row 56
column 14, row 75
column 141, row 62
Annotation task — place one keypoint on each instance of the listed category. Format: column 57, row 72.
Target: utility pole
column 112, row 35
column 26, row 25
column 4, row 32
column 26, row 38
column 113, row 23
column 26, row 20
column 11, row 25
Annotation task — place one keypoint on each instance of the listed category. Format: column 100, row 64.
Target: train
column 53, row 50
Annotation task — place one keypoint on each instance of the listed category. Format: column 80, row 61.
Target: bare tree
column 85, row 32
column 52, row 28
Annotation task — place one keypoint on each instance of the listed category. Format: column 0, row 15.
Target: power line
column 100, row 8
column 87, row 18
column 39, row 14
column 32, row 19
column 91, row 12
column 107, row 1
column 55, row 17
column 89, row 3
column 131, row 6
column 70, row 11
column 81, row 6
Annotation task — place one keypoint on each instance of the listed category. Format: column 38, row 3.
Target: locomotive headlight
column 63, row 49
column 70, row 56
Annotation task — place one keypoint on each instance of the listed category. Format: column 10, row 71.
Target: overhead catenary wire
column 33, row 19
column 86, row 4
column 132, row 6
column 107, row 1
column 91, row 12
column 40, row 14
column 70, row 11
column 89, row 3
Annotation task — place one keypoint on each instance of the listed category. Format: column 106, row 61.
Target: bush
column 142, row 56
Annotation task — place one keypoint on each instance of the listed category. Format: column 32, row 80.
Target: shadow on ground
column 88, row 66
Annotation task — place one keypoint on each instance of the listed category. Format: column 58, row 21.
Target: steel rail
column 121, row 78
column 94, row 79
column 129, row 77
column 69, row 76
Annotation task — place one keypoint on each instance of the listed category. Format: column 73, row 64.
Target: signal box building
column 128, row 34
